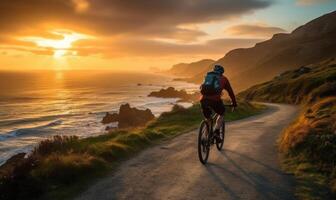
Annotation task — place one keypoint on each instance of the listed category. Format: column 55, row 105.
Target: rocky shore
column 129, row 117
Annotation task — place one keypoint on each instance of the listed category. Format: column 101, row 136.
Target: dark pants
column 209, row 105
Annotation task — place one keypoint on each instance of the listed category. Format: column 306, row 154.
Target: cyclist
column 215, row 82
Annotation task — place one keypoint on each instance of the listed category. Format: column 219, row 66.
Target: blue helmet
column 219, row 69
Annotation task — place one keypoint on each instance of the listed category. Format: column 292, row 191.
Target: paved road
column 247, row 168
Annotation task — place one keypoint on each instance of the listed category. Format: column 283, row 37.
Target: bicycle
column 207, row 138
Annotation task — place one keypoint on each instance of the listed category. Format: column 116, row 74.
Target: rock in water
column 108, row 118
column 171, row 92
column 129, row 117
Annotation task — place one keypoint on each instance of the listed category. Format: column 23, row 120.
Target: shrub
column 328, row 89
column 56, row 144
column 66, row 168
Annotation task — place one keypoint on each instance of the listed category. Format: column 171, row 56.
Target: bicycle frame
column 213, row 118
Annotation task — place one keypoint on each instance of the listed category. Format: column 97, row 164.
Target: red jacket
column 225, row 85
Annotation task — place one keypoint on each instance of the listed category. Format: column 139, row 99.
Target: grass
column 311, row 183
column 310, row 147
column 61, row 167
column 309, row 143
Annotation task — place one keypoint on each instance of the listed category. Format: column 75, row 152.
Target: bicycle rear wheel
column 203, row 142
column 220, row 140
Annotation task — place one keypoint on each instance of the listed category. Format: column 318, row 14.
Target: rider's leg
column 206, row 110
column 220, row 110
column 219, row 122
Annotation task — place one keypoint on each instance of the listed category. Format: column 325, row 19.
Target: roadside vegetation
column 309, row 143
column 60, row 167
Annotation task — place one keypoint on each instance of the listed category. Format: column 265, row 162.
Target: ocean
column 38, row 105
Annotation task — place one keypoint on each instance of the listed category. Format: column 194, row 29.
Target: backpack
column 211, row 84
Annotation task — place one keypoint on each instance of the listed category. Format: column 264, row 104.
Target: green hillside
column 304, row 85
column 309, row 144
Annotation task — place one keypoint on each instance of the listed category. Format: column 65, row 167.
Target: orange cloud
column 150, row 48
column 60, row 46
column 310, row 2
column 81, row 5
column 253, row 30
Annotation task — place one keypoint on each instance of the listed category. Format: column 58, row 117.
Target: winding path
column 247, row 167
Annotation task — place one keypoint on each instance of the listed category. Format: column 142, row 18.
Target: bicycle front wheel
column 203, row 142
column 220, row 139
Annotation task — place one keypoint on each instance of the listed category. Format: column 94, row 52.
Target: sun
column 61, row 47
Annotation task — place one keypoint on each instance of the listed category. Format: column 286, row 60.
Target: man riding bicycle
column 215, row 82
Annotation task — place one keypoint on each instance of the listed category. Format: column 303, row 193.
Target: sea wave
column 95, row 104
column 18, row 99
column 12, row 122
column 31, row 130
column 115, row 93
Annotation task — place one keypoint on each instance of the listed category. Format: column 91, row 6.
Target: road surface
column 247, row 167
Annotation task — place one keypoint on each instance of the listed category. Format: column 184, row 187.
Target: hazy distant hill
column 190, row 69
column 310, row 43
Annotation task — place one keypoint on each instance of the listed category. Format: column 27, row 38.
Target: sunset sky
column 139, row 34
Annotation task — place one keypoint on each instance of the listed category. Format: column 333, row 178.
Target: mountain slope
column 310, row 43
column 303, row 85
column 309, row 144
column 190, row 69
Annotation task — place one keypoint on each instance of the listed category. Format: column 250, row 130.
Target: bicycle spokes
column 205, row 139
column 203, row 142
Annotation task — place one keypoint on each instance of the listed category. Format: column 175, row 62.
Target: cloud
column 123, row 28
column 310, row 2
column 110, row 47
column 145, row 48
column 253, row 30
column 81, row 5
column 159, row 18
column 33, row 50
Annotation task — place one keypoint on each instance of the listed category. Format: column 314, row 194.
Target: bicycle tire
column 203, row 145
column 220, row 143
